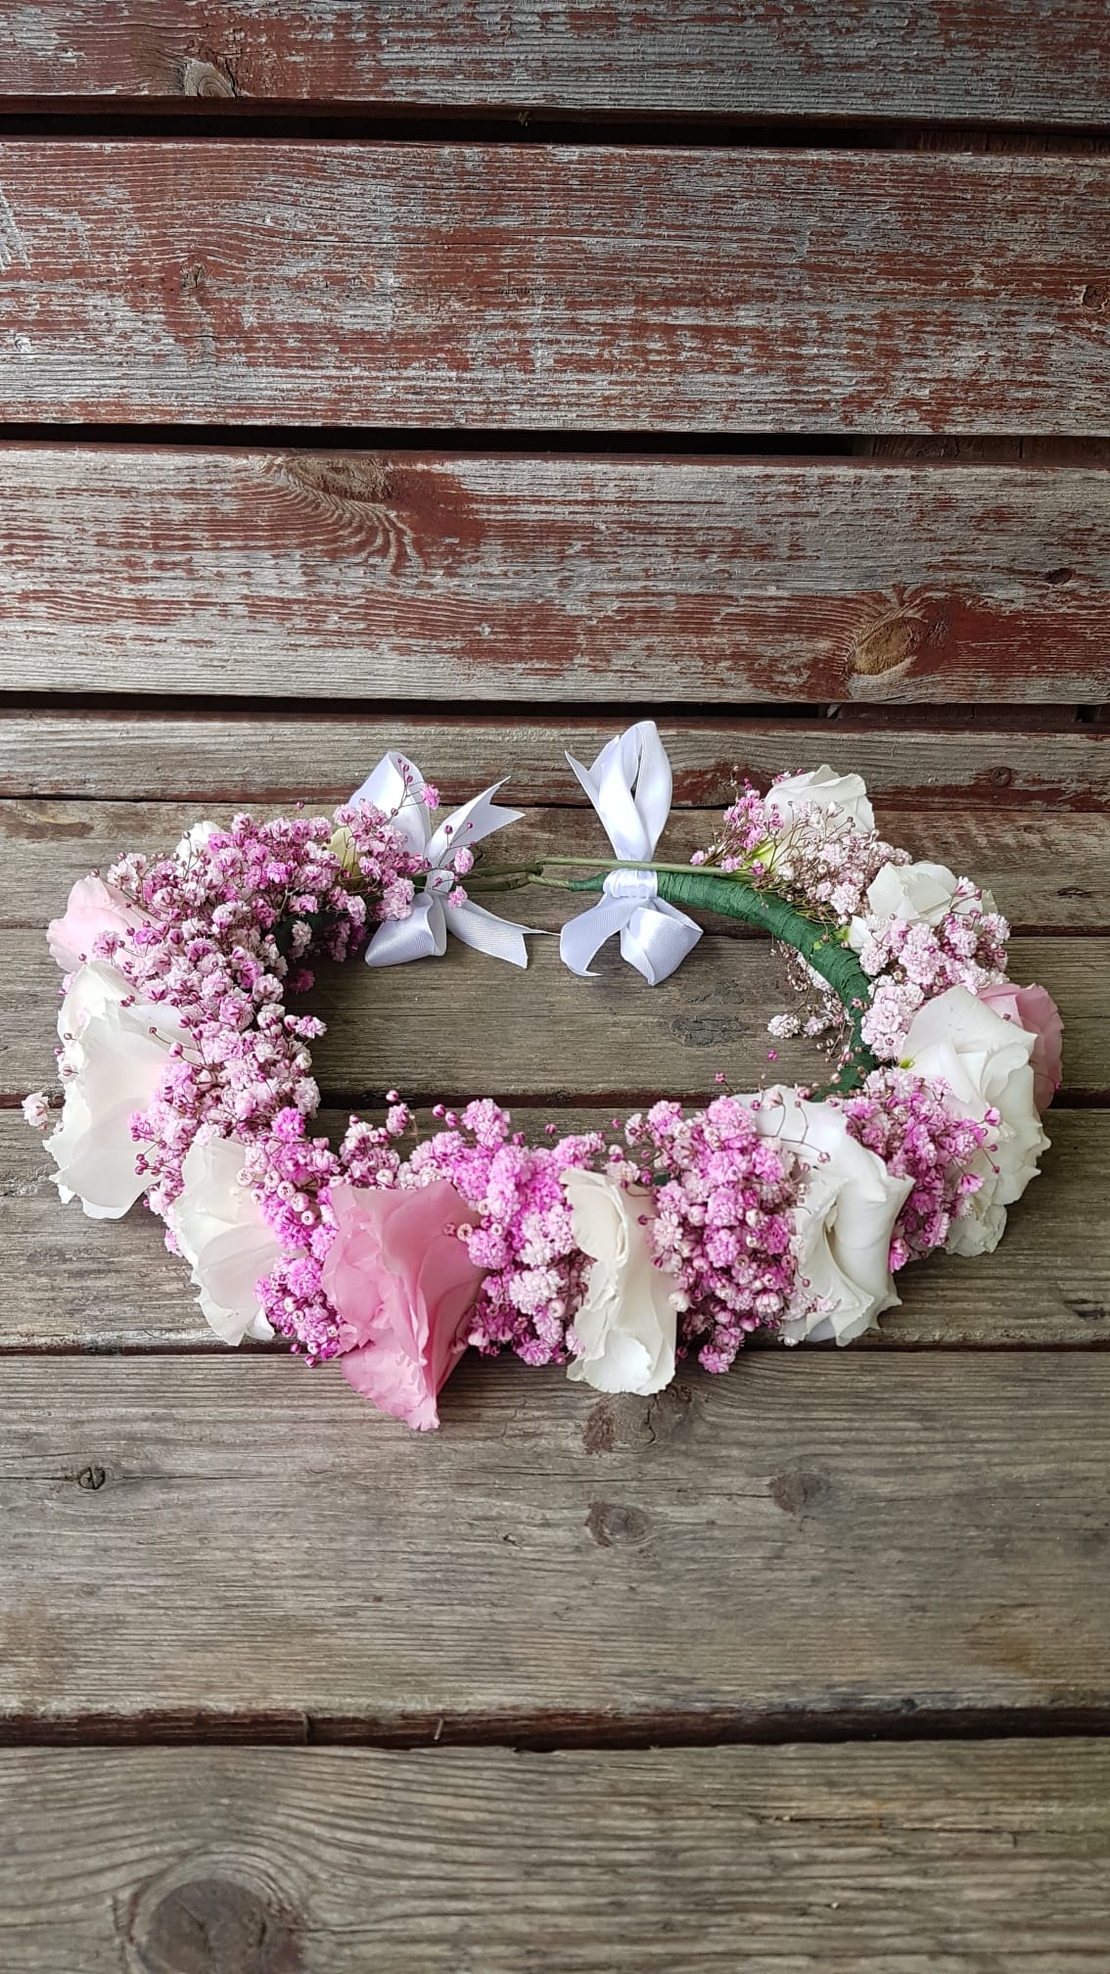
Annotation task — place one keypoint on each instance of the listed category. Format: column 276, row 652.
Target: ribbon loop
column 630, row 787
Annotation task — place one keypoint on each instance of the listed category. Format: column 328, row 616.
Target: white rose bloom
column 846, row 795
column 195, row 839
column 627, row 1325
column 844, row 1219
column 918, row 894
column 223, row 1235
column 111, row 1066
column 985, row 1061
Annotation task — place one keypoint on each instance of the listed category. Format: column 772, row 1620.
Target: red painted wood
column 468, row 285
column 1047, row 60
column 379, row 575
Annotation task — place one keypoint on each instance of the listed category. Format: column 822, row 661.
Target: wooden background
column 475, row 378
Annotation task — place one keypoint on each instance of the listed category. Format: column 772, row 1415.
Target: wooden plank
column 76, row 1284
column 426, row 1027
column 1049, row 873
column 1042, row 62
column 411, row 575
column 564, row 286
column 937, row 1859
column 254, row 757
column 822, row 1543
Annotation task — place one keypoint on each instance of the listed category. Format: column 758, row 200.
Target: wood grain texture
column 1048, row 873
column 647, row 289
column 466, row 1024
column 817, row 1542
column 1045, row 61
column 76, row 1284
column 407, row 574
column 940, row 1859
column 266, row 756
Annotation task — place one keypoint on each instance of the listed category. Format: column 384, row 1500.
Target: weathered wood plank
column 1047, row 872
column 412, row 575
column 937, row 1859
column 823, row 1541
column 76, row 1284
column 427, row 1027
column 262, row 757
column 515, row 286
column 1042, row 62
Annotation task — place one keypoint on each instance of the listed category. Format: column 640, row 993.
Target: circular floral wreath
column 187, row 1081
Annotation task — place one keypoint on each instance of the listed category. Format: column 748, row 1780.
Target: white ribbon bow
column 395, row 787
column 630, row 787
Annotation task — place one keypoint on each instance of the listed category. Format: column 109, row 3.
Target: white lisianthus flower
column 626, row 1326
column 195, row 839
column 224, row 1236
column 917, row 894
column 985, row 1062
column 844, row 1220
column 113, row 1059
column 843, row 797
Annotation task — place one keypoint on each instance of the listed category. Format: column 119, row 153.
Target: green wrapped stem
column 711, row 891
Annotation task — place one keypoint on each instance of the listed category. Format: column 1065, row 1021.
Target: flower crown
column 188, row 1082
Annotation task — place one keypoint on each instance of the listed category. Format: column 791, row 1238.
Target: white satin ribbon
column 395, row 787
column 630, row 787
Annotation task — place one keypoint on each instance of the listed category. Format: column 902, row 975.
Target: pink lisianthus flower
column 1033, row 1009
column 404, row 1288
column 93, row 909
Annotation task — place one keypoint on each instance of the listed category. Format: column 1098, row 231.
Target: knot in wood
column 215, row 1926
column 199, row 78
column 612, row 1524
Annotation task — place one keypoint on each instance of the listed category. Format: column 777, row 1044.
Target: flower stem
column 817, row 943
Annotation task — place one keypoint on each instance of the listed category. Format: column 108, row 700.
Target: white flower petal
column 844, row 1220
column 985, row 1062
column 627, row 1326
column 113, row 1059
column 843, row 797
column 225, row 1237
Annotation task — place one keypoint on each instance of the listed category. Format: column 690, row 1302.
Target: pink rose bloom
column 404, row 1288
column 94, row 907
column 1033, row 1009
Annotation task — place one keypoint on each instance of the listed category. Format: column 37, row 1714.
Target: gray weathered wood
column 1017, row 61
column 407, row 574
column 1047, row 872
column 242, row 758
column 821, row 1540
column 466, row 1024
column 77, row 1284
column 936, row 1859
column 523, row 286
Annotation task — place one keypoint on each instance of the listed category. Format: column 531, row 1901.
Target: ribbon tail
column 469, row 824
column 583, row 937
column 501, row 938
column 420, row 936
column 657, row 940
